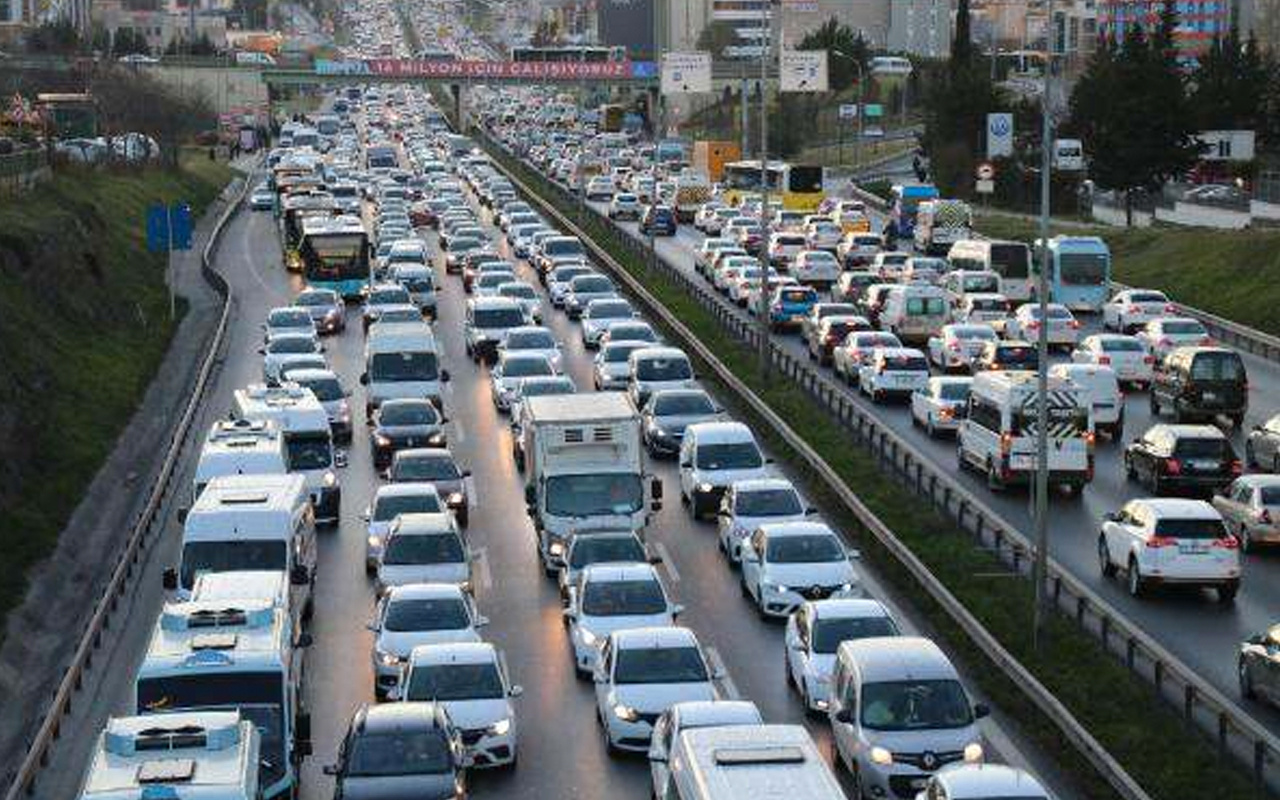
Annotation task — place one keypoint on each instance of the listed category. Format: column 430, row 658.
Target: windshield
column 768, row 503
column 1122, row 346
column 731, row 455
column 663, row 369
column 289, row 319
column 498, row 317
column 954, row 390
column 525, row 367
column 230, row 555
column 387, row 297
column 306, row 451
column 598, row 549
column 591, row 285
column 326, row 390
column 530, row 340
column 609, row 310
column 806, row 549
column 616, row 353
column 589, row 495
column 403, row 414
column 1187, row 327
column 1011, row 260
column 429, row 468
column 1217, row 367
column 403, row 752
column 426, row 614
column 673, row 405
column 403, row 366
column 562, row 247
column 981, row 283
column 1022, row 356
column 292, row 344
column 443, row 682
column 1082, row 269
column 829, row 633
column 905, row 363
column 309, row 299
column 623, row 598
column 659, row 665
column 441, row 548
column 915, row 705
column 391, row 506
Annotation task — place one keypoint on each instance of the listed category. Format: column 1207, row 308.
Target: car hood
column 400, row 787
column 918, row 741
column 400, row 643
column 805, row 575
column 677, row 423
column 654, row 698
column 401, row 574
column 473, row 714
column 724, row 477
column 603, row 626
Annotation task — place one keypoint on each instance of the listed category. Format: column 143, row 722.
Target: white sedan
column 1163, row 335
column 958, row 344
column 1126, row 355
column 815, row 631
column 940, row 404
column 847, row 358
column 1063, row 327
column 1133, row 308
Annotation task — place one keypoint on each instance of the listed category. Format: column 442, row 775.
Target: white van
column 401, row 360
column 733, row 762
column 209, row 754
column 914, row 312
column 959, row 283
column 714, row 455
column 899, row 713
column 240, row 447
column 249, row 523
column 308, row 439
column 653, row 369
column 998, row 434
column 1102, row 389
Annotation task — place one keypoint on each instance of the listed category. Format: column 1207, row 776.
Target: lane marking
column 459, row 431
column 667, row 564
column 730, row 689
column 470, row 484
column 480, row 560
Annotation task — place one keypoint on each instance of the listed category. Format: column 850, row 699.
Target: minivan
column 1201, row 383
column 914, row 313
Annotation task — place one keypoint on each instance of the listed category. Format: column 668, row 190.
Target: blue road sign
column 180, row 225
column 164, row 221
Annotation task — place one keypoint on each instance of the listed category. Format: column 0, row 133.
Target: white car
column 816, row 629
column 990, row 308
column 624, row 206
column 533, row 340
column 288, row 319
column 983, row 782
column 958, row 344
column 751, row 503
column 655, row 369
column 940, row 404
column 424, row 548
column 817, row 268
column 893, row 371
column 612, row 597
column 712, row 456
column 469, row 679
column 612, row 370
column 1064, row 328
column 1170, row 541
column 1133, row 308
column 600, row 187
column 641, row 673
column 786, row 563
column 859, row 249
column 703, row 256
column 691, row 716
column 785, row 246
column 599, row 314
column 890, row 265
column 1104, row 396
column 704, row 215
column 527, row 296
column 847, row 358
column 282, row 345
column 1163, row 335
column 1126, row 355
column 511, row 369
column 389, row 502
column 415, row 614
column 730, row 269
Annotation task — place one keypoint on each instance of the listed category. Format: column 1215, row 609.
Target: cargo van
column 239, row 447
column 914, row 312
column 401, row 360
column 740, row 761
column 899, row 713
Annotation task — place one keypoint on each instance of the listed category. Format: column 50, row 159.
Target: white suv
column 1168, row 541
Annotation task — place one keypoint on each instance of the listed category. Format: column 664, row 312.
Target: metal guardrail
column 1236, row 733
column 1070, row 727
column 149, row 523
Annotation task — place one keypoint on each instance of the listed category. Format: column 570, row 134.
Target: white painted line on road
column 480, row 561
column 459, row 432
column 717, row 664
column 470, row 484
column 667, row 562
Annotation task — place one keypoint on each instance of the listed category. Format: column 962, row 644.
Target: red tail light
column 1075, row 324
column 1157, row 542
column 954, row 347
column 1033, row 324
column 1170, row 307
column 1148, row 359
column 1172, row 466
column 1227, row 543
column 1133, row 310
column 1104, row 359
column 1237, row 467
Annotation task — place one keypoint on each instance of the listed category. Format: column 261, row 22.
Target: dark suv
column 659, row 221
column 1201, row 383
column 1182, row 459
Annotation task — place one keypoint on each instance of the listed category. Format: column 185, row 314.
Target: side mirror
column 304, row 640
column 444, row 376
column 364, row 379
column 677, row 610
column 340, row 459
column 981, row 710
column 299, row 575
column 466, row 473
column 845, row 716
column 1111, row 516
column 599, row 677
column 262, row 351
column 182, row 514
column 515, row 691
column 170, row 579
column 810, row 510
column 853, row 553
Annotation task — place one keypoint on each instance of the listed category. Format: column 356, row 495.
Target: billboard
column 686, row 73
column 803, row 71
column 626, row 23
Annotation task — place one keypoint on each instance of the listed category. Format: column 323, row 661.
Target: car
column 511, row 369
column 470, row 680
column 1190, row 459
column 600, row 313
column 641, row 672
column 282, row 347
column 389, row 502
column 1008, row 354
column 527, row 296
column 1163, row 335
column 823, row 234
column 786, row 563
column 400, row 750
column 532, row 340
column 1131, row 309
column 601, row 187
column 414, row 614
column 704, row 215
column 613, row 596
column 816, row 629
column 748, row 504
column 816, row 268
column 830, row 332
column 488, row 320
column 658, row 220
column 488, row 282
column 381, row 296
column 1063, row 327
column 858, row 249
column 702, row 257
column 892, row 372
column 437, row 466
column 656, row 368
column 940, row 404
column 1250, row 508
column 692, row 715
column 424, row 548
column 990, row 308
column 1201, row 383
column 1163, row 541
column 1125, row 354
column 288, row 319
column 712, row 456
column 624, row 205
column 262, row 198
column 1258, row 666
column 403, row 423
column 582, row 289
column 789, row 303
column 890, row 265
column 634, row 331
column 983, row 782
column 847, row 358
column 589, row 546
column 327, row 310
column 956, row 345
column 784, row 246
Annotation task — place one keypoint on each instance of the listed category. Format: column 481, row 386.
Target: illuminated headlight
column 382, row 441
column 625, row 713
column 375, row 542
column 456, row 499
column 465, row 586
column 556, row 548
column 387, row 659
column 777, row 587
column 973, row 752
column 588, row 638
column 704, row 488
column 881, row 756
column 500, row 728
column 332, row 315
column 330, row 480
column 436, row 439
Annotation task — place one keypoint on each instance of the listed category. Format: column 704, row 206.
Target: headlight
column 382, row 441
column 501, row 727
column 588, row 638
column 973, row 752
column 705, row 487
column 625, row 713
column 881, row 756
column 556, row 548
column 387, row 659
column 436, row 439
column 847, row 587
column 375, row 542
column 455, row 499
column 330, row 480
column 777, row 587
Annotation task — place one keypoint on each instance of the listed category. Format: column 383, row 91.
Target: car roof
column 454, row 653
column 775, row 530
column 847, row 608
column 896, row 658
column 989, row 781
column 397, row 717
column 1182, row 431
column 406, row 489
column 616, row 571
column 653, row 637
column 423, row 523
column 1180, row 507
column 706, row 713
column 761, row 485
column 720, row 432
column 424, row 591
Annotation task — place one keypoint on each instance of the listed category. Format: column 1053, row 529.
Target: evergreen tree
column 962, row 44
column 844, row 47
column 1229, row 82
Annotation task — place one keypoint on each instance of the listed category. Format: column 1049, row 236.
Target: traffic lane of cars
column 1197, row 630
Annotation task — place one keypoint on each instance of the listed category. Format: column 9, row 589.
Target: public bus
column 904, row 202
column 335, row 254
column 1080, row 271
column 799, row 185
column 1010, row 260
column 295, row 208
column 583, row 54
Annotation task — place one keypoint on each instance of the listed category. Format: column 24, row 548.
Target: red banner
column 533, row 70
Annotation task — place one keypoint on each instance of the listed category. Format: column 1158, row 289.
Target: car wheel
column 609, row 749
column 742, row 585
column 1275, row 464
column 1246, row 681
column 1136, row 583
column 1129, row 472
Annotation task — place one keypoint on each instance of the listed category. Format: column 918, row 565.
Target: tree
column 848, row 54
column 962, row 44
column 1229, row 84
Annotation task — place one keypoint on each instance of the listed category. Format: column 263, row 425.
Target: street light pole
column 766, row 42
column 1040, row 567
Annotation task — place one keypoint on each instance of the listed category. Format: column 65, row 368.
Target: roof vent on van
column 128, row 736
column 168, row 770
column 190, row 616
column 574, row 436
column 214, row 641
column 739, row 756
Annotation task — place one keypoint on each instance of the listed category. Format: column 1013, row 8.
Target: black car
column 1262, row 446
column 400, row 750
column 1191, row 459
column 658, row 221
column 403, row 424
column 1201, row 383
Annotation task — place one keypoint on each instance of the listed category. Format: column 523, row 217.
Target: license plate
column 1192, row 549
column 1203, row 466
column 1211, row 397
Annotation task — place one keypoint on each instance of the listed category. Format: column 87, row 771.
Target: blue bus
column 1080, row 271
column 903, row 204
column 335, row 254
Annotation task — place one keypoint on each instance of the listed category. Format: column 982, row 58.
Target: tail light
column 946, row 412
column 1170, row 307
column 1227, row 542
column 831, row 338
column 1090, row 438
column 1104, row 359
column 1148, row 359
column 954, row 347
column 1237, row 467
column 1006, row 443
column 1157, row 542
column 1034, row 324
column 1133, row 310
column 1075, row 324
column 1263, row 515
column 1172, row 466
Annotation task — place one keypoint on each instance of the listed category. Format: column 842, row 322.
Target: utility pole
column 762, row 310
column 1040, row 567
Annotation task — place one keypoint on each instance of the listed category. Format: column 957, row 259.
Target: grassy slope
column 1126, row 721
column 1234, row 274
column 84, row 318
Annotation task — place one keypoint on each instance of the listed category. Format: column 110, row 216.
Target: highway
column 1189, row 623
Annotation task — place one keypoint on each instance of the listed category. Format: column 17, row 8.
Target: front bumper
column 489, row 749
column 631, row 736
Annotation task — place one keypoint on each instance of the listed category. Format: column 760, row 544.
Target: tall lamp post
column 766, row 47
column 862, row 99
